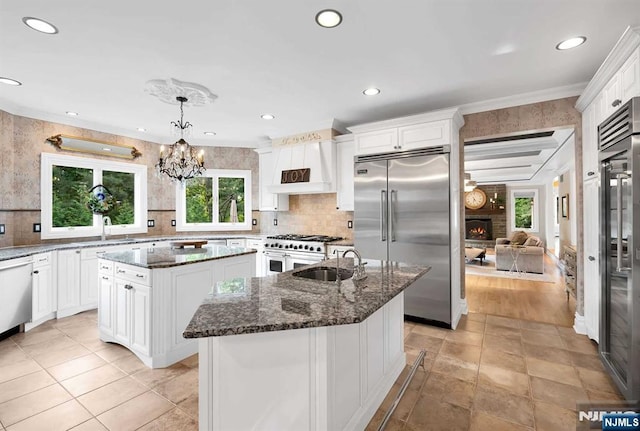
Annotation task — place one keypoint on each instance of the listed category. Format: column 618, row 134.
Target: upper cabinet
column 630, row 77
column 269, row 201
column 407, row 133
column 345, row 154
column 403, row 138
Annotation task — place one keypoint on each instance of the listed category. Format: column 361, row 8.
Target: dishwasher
column 15, row 292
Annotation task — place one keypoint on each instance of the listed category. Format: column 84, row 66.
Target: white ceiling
column 520, row 159
column 269, row 56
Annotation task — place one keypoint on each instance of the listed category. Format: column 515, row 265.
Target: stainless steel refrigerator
column 619, row 144
column 402, row 214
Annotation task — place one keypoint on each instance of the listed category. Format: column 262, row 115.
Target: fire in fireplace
column 478, row 229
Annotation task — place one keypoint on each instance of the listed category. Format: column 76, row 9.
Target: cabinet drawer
column 127, row 272
column 256, row 244
column 42, row 259
column 105, row 267
column 237, row 242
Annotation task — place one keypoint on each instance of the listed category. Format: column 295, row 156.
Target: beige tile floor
column 493, row 373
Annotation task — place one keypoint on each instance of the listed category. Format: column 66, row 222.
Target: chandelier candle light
column 182, row 162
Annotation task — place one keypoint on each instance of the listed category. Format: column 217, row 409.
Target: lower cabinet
column 147, row 310
column 258, row 245
column 43, row 294
column 132, row 315
column 68, row 282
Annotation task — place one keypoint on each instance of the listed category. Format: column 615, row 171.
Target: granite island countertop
column 166, row 257
column 283, row 301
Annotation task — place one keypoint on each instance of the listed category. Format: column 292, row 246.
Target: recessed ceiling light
column 371, row 91
column 210, row 133
column 10, row 81
column 39, row 25
column 141, row 129
column 267, row 116
column 571, row 43
column 328, row 18
column 106, row 149
column 72, row 114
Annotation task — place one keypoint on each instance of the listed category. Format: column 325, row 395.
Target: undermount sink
column 323, row 273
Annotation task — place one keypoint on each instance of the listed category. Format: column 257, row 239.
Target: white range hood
column 318, row 157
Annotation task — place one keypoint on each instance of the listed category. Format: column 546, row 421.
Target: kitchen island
column 147, row 296
column 288, row 353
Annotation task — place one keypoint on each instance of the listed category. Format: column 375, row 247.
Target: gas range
column 312, row 244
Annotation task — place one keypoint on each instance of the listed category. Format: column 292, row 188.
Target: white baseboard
column 579, row 324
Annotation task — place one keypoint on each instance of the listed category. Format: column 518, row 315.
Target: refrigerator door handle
column 383, row 218
column 619, row 249
column 392, row 213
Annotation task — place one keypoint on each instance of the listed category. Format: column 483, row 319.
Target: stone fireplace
column 478, row 229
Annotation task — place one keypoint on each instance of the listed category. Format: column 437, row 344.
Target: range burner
column 301, row 243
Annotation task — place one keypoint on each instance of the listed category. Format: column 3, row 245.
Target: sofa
column 530, row 253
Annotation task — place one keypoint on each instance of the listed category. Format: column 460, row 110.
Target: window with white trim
column 66, row 190
column 524, row 210
column 220, row 199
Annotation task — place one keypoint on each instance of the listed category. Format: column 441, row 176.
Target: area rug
column 488, row 269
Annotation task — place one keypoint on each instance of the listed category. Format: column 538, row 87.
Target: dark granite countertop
column 29, row 250
column 283, row 301
column 165, row 257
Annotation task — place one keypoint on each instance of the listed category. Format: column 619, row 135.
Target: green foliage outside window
column 524, row 212
column 122, row 186
column 199, row 199
column 71, row 193
column 70, row 190
column 230, row 189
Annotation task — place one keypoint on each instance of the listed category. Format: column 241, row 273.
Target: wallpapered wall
column 22, row 140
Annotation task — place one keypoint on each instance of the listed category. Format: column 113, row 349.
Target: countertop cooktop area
column 284, row 301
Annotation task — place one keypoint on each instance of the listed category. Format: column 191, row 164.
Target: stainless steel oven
column 275, row 262
column 287, row 252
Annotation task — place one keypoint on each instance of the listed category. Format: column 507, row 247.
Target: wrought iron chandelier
column 182, row 161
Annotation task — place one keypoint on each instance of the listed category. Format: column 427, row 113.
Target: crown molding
column 523, row 99
column 621, row 51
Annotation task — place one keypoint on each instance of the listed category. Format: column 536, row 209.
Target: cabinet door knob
column 77, row 251
column 616, row 102
column 36, row 272
column 591, row 258
column 105, row 278
column 591, row 173
column 128, row 286
column 139, row 275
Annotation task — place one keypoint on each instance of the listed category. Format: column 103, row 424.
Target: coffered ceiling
column 270, row 57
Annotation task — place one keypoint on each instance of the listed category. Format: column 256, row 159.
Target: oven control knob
column 306, row 247
column 318, row 249
column 280, row 246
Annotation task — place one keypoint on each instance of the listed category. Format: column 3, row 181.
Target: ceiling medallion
column 182, row 162
column 168, row 90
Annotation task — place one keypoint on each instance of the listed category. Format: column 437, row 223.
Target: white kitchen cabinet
column 403, row 138
column 612, row 96
column 630, row 77
column 589, row 144
column 591, row 258
column 269, row 201
column 258, row 245
column 345, row 183
column 68, row 283
column 106, row 301
column 44, row 301
column 237, row 242
column 132, row 315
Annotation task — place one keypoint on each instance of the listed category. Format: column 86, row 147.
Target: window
column 218, row 200
column 524, row 210
column 66, row 182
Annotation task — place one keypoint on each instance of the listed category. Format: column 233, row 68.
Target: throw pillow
column 533, row 241
column 518, row 237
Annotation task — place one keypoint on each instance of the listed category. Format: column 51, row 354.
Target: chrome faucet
column 106, row 220
column 337, row 253
column 359, row 273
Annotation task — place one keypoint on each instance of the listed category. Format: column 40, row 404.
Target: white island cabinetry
column 146, row 309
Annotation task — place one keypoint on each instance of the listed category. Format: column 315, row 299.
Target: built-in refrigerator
column 401, row 214
column 619, row 157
